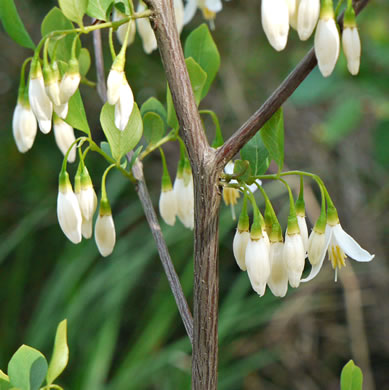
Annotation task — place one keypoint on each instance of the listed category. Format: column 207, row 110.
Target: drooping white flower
column 41, row 105
column 294, row 257
column 352, row 49
column 64, row 137
column 122, row 29
column 275, row 22
column 24, row 126
column 115, row 81
column 303, row 230
column 145, row 31
column 258, row 264
column 278, row 279
column 105, row 234
column 307, row 17
column 239, row 246
column 168, row 206
column 68, row 210
column 70, row 82
column 339, row 245
column 315, row 249
column 183, row 189
column 124, row 105
column 327, row 45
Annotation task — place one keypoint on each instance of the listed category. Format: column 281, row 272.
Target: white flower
column 278, row 279
column 68, row 210
column 105, row 234
column 294, row 257
column 303, row 230
column 115, row 81
column 327, row 44
column 352, row 49
column 122, row 29
column 124, row 105
column 87, row 200
column 24, row 126
column 70, row 81
column 307, row 16
column 292, row 8
column 41, row 105
column 183, row 189
column 315, row 248
column 275, row 22
column 239, row 246
column 168, row 206
column 145, row 31
column 53, row 92
column 64, row 137
column 339, row 245
column 258, row 264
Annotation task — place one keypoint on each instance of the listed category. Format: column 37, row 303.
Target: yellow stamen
column 230, row 196
column 208, row 15
column 337, row 257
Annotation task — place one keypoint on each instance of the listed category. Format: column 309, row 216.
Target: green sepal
column 244, row 223
column 166, row 182
column 48, row 74
column 77, row 179
column 105, row 208
column 276, row 233
column 349, row 20
column 320, row 225
column 119, row 62
column 74, row 66
column 293, row 226
column 187, row 173
column 300, row 207
column 332, row 216
column 327, row 10
column 64, row 181
column 242, row 170
column 258, row 224
column 35, row 69
column 86, row 180
column 268, row 218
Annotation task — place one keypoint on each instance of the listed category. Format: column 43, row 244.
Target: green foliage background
column 124, row 330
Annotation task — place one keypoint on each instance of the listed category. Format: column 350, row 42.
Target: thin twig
column 163, row 251
column 273, row 103
column 147, row 205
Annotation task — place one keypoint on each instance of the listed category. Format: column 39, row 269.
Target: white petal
column 303, row 230
column 168, row 207
column 308, row 15
column 24, row 127
column 124, row 106
column 294, row 258
column 69, row 215
column 350, row 247
column 352, row 49
column 62, row 110
column 239, row 246
column 114, row 84
column 190, row 10
column 69, row 85
column 179, row 14
column 317, row 267
column 105, row 235
column 214, row 5
column 146, row 32
column 122, row 29
column 40, row 103
column 64, row 137
column 86, row 228
column 278, row 280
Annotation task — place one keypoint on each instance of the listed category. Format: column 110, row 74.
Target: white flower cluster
column 75, row 212
column 47, row 101
column 304, row 16
column 269, row 260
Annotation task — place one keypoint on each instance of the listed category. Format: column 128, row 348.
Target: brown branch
column 174, row 282
column 232, row 146
column 147, row 205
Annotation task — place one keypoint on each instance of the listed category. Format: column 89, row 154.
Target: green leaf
column 256, row 154
column 107, row 150
column 201, row 47
column 197, row 77
column 153, row 127
column 272, row 134
column 56, row 20
column 154, row 105
column 27, row 368
column 98, row 9
column 342, row 119
column 242, row 169
column 13, row 25
column 74, row 10
column 351, row 377
column 76, row 115
column 84, row 61
column 121, row 142
column 60, row 357
column 4, row 381
column 135, row 155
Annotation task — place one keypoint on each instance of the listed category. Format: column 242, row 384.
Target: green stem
column 111, row 45
column 337, row 9
column 65, row 159
column 103, row 189
column 169, row 137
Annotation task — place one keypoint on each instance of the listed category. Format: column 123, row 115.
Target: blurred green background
column 124, row 329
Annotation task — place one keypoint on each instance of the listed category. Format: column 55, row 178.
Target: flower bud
column 241, row 237
column 51, row 78
column 352, row 49
column 64, row 137
column 293, row 14
column 115, row 81
column 87, row 228
column 124, row 106
column 275, row 22
column 145, row 31
column 62, row 110
column 258, row 264
column 87, row 196
column 122, row 29
column 307, row 16
column 70, row 81
column 105, row 235
column 41, row 105
column 168, row 206
column 294, row 257
column 327, row 44
column 68, row 210
column 24, row 126
column 183, row 189
column 278, row 279
column 302, row 223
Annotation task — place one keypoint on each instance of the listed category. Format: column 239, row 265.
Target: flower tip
column 45, row 126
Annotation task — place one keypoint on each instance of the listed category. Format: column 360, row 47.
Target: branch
column 163, row 251
column 147, row 205
column 232, row 146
